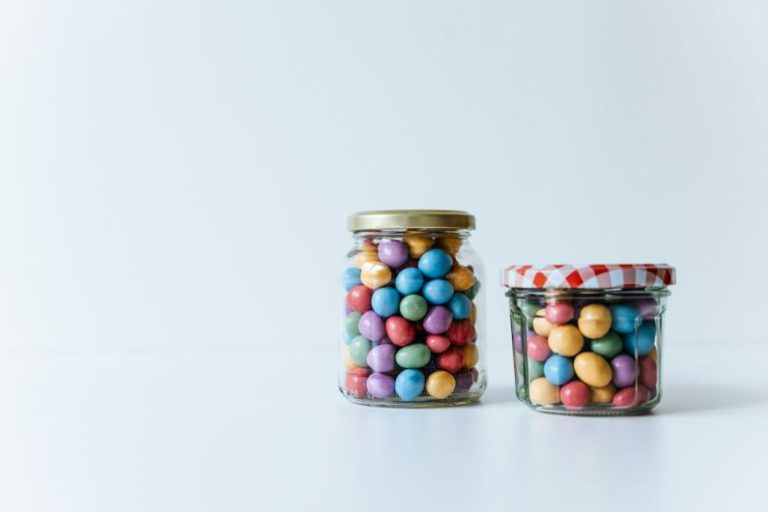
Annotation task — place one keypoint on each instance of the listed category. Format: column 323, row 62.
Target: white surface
column 173, row 173
column 268, row 431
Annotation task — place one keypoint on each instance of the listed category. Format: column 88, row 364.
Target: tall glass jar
column 413, row 314
column 587, row 338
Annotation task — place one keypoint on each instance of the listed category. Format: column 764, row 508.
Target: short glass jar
column 587, row 339
column 413, row 313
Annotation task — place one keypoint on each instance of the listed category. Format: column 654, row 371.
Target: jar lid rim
column 410, row 219
column 595, row 276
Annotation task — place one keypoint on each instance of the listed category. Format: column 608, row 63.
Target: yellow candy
column 541, row 325
column 365, row 256
column 449, row 244
column 472, row 314
column 593, row 369
column 347, row 360
column 603, row 395
column 470, row 355
column 461, row 278
column 654, row 354
column 440, row 384
column 565, row 340
column 417, row 245
column 595, row 321
column 543, row 392
column 375, row 274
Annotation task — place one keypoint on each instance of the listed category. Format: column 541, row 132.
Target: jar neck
column 400, row 233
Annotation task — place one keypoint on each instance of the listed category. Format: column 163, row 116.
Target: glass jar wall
column 413, row 313
column 588, row 346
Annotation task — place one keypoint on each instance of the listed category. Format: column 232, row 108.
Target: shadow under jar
column 587, row 339
column 413, row 313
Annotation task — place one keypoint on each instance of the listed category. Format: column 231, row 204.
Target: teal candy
column 437, row 291
column 350, row 323
column 624, row 317
column 348, row 338
column 409, row 384
column 413, row 307
column 358, row 350
column 413, row 356
column 435, row 263
column 608, row 346
column 460, row 306
column 385, row 301
column 642, row 340
column 558, row 369
column 535, row 369
column 351, row 278
column 409, row 280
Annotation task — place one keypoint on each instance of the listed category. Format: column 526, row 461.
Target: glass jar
column 413, row 313
column 587, row 339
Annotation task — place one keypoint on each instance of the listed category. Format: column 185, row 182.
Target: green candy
column 535, row 369
column 413, row 356
column 413, row 307
column 529, row 309
column 358, row 350
column 472, row 292
column 607, row 346
column 350, row 323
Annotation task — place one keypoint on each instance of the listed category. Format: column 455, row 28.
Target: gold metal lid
column 410, row 219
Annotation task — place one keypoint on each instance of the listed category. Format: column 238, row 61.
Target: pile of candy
column 410, row 321
column 597, row 354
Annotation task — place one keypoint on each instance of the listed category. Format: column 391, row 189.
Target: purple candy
column 464, row 380
column 393, row 253
column 517, row 338
column 382, row 358
column 347, row 308
column 371, row 326
column 437, row 320
column 625, row 370
column 380, row 385
column 648, row 308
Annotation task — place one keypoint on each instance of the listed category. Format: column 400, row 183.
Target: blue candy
column 409, row 384
column 385, row 301
column 460, row 306
column 642, row 340
column 624, row 318
column 409, row 281
column 437, row 291
column 351, row 278
column 435, row 263
column 558, row 369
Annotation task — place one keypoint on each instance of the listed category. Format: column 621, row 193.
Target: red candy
column 400, row 331
column 627, row 396
column 575, row 394
column 461, row 332
column 438, row 343
column 558, row 313
column 538, row 348
column 451, row 360
column 355, row 382
column 648, row 372
column 359, row 298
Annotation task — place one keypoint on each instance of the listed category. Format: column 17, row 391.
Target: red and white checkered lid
column 591, row 277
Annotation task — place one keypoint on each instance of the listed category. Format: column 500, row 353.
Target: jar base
column 595, row 410
column 469, row 397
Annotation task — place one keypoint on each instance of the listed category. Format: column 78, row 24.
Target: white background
column 174, row 184
column 176, row 175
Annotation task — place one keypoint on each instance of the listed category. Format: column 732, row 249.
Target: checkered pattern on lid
column 593, row 277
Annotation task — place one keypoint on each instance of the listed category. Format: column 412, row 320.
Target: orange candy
column 461, row 278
